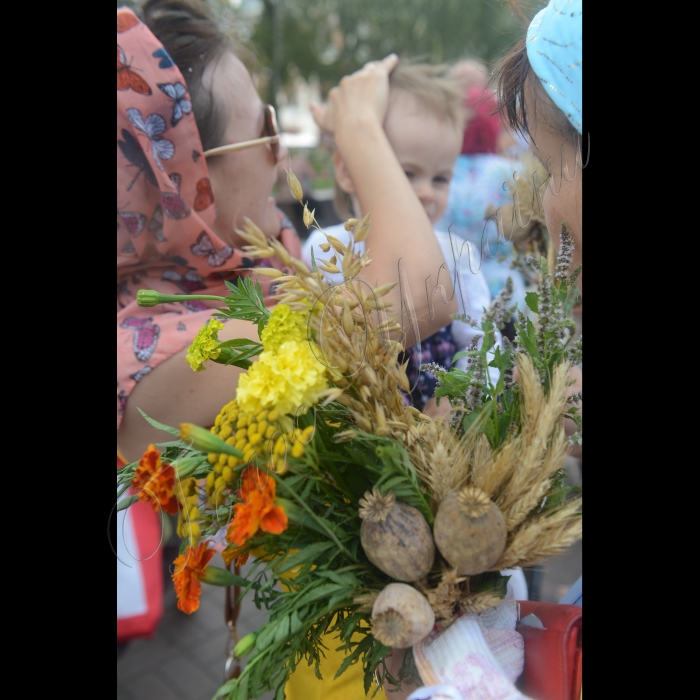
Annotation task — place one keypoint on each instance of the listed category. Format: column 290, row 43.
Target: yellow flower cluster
column 282, row 326
column 205, row 346
column 285, row 380
column 264, row 434
column 187, row 524
column 287, row 375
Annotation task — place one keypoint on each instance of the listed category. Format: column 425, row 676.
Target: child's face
column 426, row 147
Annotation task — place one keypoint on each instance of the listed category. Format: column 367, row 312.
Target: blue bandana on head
column 554, row 48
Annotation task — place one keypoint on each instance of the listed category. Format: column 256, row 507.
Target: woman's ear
column 342, row 175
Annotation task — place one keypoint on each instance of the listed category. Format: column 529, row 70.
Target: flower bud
column 202, row 439
column 245, row 645
column 186, row 465
column 148, row 297
column 216, row 576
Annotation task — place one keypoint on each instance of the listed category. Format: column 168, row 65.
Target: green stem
column 189, row 297
column 149, row 297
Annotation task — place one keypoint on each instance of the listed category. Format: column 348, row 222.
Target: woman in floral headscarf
column 174, row 234
column 180, row 92
column 175, row 208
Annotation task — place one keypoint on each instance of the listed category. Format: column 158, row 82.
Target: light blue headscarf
column 554, row 47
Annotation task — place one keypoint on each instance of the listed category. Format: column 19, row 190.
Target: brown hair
column 510, row 79
column 191, row 36
column 433, row 87
column 435, row 90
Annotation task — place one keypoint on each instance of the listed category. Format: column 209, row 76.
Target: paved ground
column 185, row 660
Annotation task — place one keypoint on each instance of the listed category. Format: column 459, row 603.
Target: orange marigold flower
column 244, row 524
column 231, row 553
column 154, row 482
column 188, row 567
column 258, row 512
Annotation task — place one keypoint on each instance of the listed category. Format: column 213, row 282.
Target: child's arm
column 400, row 230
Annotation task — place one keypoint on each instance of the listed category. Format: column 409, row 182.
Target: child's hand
column 365, row 92
column 434, row 411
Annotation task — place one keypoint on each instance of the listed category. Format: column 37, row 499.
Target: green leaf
column 313, row 261
column 492, row 581
column 245, row 302
column 295, row 623
column 309, row 553
column 240, row 343
column 266, row 636
column 347, row 579
column 225, row 688
column 126, row 502
column 528, row 340
column 317, row 592
column 465, row 353
column 283, row 630
column 160, row 426
column 532, row 299
column 469, row 420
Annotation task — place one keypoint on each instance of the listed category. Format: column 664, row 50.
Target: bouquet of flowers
column 370, row 523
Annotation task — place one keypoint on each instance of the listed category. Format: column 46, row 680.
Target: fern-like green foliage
column 246, row 302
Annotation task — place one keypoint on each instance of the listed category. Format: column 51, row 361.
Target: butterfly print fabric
column 132, row 151
column 164, row 211
column 173, row 202
column 127, row 78
column 145, row 336
column 215, row 257
column 205, row 197
column 153, row 126
column 177, row 92
column 134, row 222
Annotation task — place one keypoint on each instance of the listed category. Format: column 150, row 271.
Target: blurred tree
column 331, row 38
column 328, row 39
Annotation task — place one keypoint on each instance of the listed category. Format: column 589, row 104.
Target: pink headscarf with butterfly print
column 165, row 209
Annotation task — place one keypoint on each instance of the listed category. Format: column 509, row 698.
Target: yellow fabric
column 303, row 684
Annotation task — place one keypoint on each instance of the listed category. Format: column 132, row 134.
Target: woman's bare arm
column 172, row 394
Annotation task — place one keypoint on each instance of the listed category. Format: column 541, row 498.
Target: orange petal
column 244, row 525
column 274, row 522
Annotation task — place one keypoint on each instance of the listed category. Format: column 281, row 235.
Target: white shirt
column 473, row 294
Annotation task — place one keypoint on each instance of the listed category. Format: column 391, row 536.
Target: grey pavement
column 185, row 660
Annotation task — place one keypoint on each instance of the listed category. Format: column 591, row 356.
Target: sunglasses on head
column 270, row 134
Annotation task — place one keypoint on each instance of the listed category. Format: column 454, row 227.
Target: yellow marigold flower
column 205, row 346
column 284, row 380
column 282, row 326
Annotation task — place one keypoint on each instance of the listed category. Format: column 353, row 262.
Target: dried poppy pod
column 470, row 531
column 401, row 616
column 396, row 537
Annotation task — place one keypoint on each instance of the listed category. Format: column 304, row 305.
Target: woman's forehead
column 231, row 81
